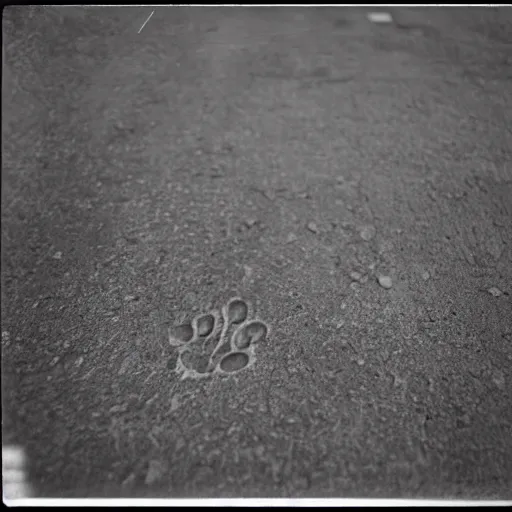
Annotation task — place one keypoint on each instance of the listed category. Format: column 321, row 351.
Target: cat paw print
column 218, row 342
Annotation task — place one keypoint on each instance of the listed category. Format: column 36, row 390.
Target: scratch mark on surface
column 144, row 24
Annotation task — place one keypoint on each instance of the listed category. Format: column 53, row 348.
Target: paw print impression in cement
column 218, row 342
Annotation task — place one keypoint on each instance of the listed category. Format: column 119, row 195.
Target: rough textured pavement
column 351, row 181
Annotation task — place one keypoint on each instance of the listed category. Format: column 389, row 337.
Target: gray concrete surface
column 293, row 157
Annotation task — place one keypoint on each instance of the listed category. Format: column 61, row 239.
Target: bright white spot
column 13, row 475
column 14, row 479
column 380, row 17
column 12, row 457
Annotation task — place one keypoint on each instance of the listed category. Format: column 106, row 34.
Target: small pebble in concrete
column 175, row 403
column 57, row 255
column 313, row 227
column 155, row 472
column 499, row 379
column 425, row 276
column 129, row 480
column 385, row 282
column 250, row 223
column 291, row 238
column 118, row 408
column 380, row 17
column 130, row 298
column 495, row 292
column 367, row 233
column 355, row 276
